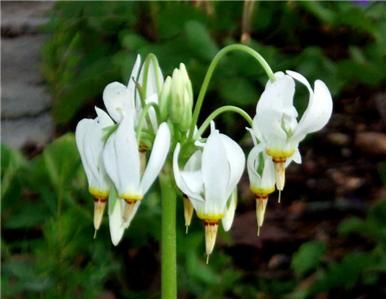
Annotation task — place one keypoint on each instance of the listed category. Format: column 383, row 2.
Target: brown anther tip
column 100, row 199
column 279, row 160
column 261, row 197
column 210, row 223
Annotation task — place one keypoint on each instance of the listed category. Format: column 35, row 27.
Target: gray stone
column 23, row 92
column 16, row 133
column 25, row 102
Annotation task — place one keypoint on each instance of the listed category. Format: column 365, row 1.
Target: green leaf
column 61, row 160
column 308, row 257
column 11, row 162
column 351, row 225
column 199, row 41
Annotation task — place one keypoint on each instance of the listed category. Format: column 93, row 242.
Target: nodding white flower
column 120, row 99
column 276, row 125
column 210, row 184
column 261, row 173
column 122, row 160
column 89, row 140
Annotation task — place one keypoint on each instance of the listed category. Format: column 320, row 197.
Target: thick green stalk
column 168, row 235
column 213, row 65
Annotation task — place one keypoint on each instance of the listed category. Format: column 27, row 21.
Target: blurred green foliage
column 92, row 44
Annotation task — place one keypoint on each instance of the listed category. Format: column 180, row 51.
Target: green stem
column 168, row 235
column 213, row 65
column 220, row 110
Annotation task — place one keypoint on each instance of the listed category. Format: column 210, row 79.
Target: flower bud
column 181, row 99
column 165, row 99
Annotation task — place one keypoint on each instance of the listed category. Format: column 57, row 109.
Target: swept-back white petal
column 157, row 158
column 236, row 161
column 299, row 77
column 191, row 185
column 121, row 159
column 277, row 94
column 215, row 173
column 115, row 222
column 252, row 166
column 268, row 175
column 82, row 131
column 317, row 114
column 103, row 119
column 230, row 210
column 118, row 100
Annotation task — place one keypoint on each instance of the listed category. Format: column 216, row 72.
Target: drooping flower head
column 210, row 184
column 261, row 175
column 276, row 126
column 89, row 136
column 122, row 160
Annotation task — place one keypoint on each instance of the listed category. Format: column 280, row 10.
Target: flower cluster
column 123, row 151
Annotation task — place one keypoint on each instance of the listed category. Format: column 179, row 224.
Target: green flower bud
column 180, row 101
column 165, row 99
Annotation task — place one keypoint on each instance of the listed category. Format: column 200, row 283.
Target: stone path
column 25, row 101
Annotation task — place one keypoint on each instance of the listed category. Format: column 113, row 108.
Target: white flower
column 261, row 173
column 210, row 184
column 122, row 161
column 120, row 99
column 89, row 140
column 275, row 124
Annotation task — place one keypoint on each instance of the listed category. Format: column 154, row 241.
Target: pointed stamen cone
column 279, row 174
column 99, row 208
column 129, row 210
column 188, row 212
column 261, row 204
column 210, row 236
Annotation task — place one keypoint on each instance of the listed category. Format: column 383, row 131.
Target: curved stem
column 220, row 110
column 213, row 65
column 168, row 235
column 143, row 115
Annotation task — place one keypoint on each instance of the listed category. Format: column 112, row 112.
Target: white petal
column 277, row 95
column 317, row 114
column 296, row 157
column 82, row 131
column 134, row 76
column 115, row 221
column 194, row 162
column 183, row 183
column 122, row 161
column 215, row 174
column 103, row 118
column 118, row 100
column 230, row 211
column 157, row 158
column 299, row 77
column 268, row 176
column 236, row 161
column 252, row 166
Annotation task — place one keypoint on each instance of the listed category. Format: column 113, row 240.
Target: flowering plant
column 151, row 130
